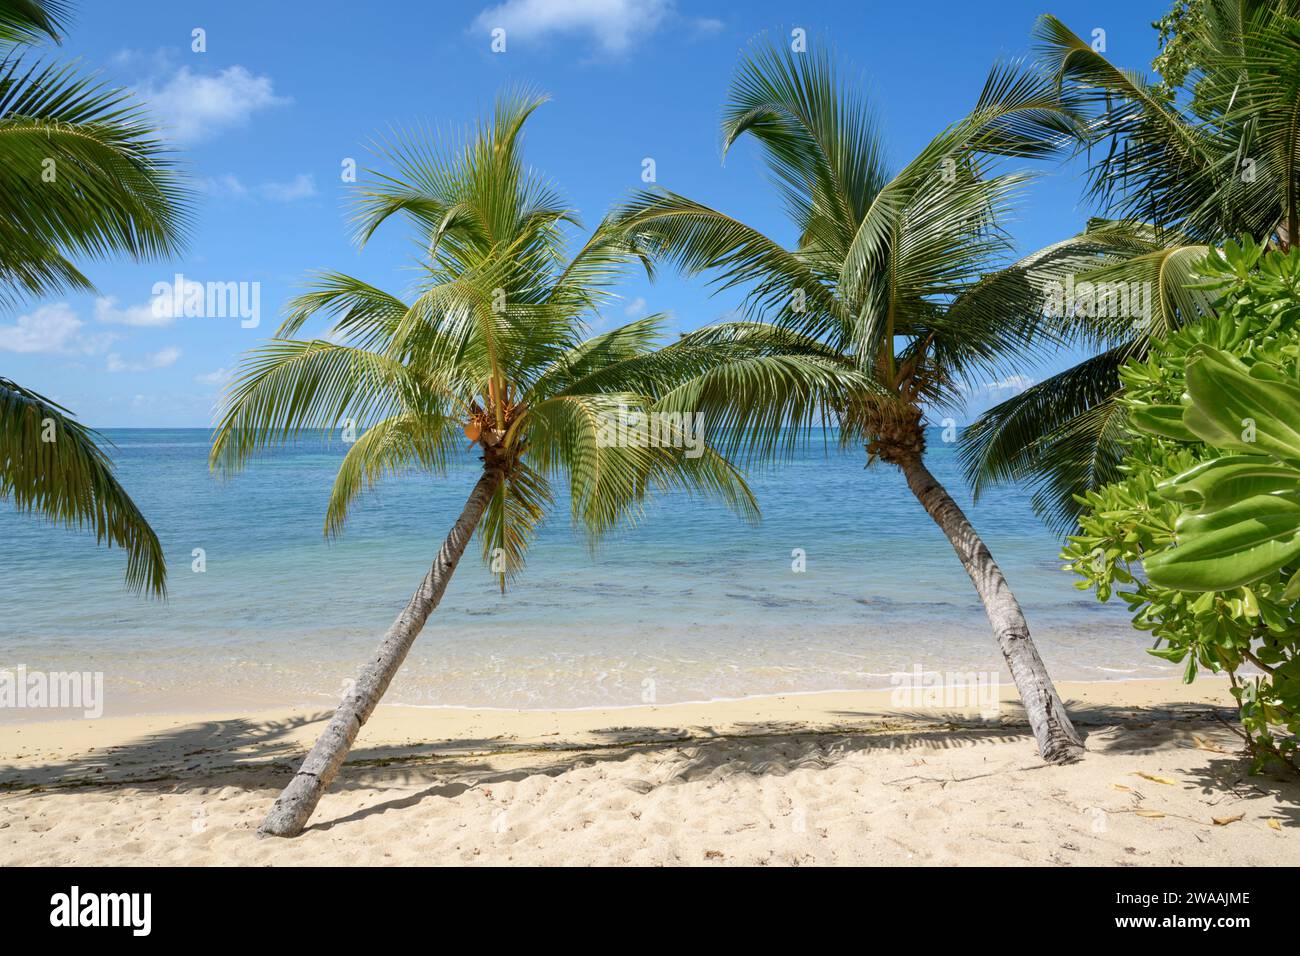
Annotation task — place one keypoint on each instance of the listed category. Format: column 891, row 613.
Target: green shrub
column 1201, row 538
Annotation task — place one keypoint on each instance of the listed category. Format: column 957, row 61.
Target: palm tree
column 1176, row 175
column 84, row 174
column 488, row 348
column 885, row 278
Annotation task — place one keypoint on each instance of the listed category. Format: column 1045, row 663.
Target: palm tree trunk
column 295, row 805
column 1058, row 741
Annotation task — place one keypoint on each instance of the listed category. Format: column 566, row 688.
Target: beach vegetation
column 1176, row 165
column 1201, row 535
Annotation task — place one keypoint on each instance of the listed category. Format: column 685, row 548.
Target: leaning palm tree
column 1176, row 175
column 885, row 278
column 488, row 347
column 82, row 173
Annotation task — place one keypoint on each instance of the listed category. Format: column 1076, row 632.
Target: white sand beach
column 797, row 780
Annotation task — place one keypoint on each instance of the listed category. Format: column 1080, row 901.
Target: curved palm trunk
column 295, row 805
column 1058, row 741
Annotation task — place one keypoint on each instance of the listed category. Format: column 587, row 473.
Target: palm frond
column 1060, row 437
column 28, row 21
column 609, row 478
column 397, row 445
column 1022, row 112
column 698, row 239
column 821, row 143
column 52, row 465
column 287, row 387
column 767, row 405
column 521, row 504
column 85, row 175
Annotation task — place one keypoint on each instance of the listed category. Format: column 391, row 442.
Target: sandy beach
column 838, row 778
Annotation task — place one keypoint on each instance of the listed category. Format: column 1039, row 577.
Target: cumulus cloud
column 152, row 314
column 147, row 363
column 226, row 185
column 219, row 377
column 615, row 25
column 991, row 393
column 51, row 330
column 981, row 396
column 636, row 309
column 192, row 106
column 302, row 186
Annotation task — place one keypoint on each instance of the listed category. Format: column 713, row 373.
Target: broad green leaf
column 1225, row 549
column 1215, row 484
column 1163, row 420
column 1234, row 410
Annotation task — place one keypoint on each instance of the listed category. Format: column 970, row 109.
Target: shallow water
column 693, row 604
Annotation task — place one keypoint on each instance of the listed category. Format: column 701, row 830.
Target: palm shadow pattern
column 257, row 755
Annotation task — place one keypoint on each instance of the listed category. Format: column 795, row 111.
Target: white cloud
column 51, row 330
column 227, row 185
column 219, row 377
column 193, row 106
column 1015, row 384
column 302, row 186
column 981, row 396
column 155, row 313
column 615, row 25
column 154, row 360
column 636, row 309
column 156, row 62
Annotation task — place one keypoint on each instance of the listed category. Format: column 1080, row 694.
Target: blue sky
column 286, row 92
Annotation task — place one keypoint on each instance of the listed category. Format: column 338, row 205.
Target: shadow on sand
column 261, row 755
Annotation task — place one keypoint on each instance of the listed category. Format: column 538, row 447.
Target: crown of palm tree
column 1176, row 176
column 888, row 270
column 490, row 346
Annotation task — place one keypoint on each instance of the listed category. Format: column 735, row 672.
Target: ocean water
column 692, row 604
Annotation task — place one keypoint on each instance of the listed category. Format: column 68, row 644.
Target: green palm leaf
column 28, row 21
column 83, row 173
column 52, row 465
column 86, row 175
column 490, row 343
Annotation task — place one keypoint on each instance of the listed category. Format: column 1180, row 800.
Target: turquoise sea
column 693, row 604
